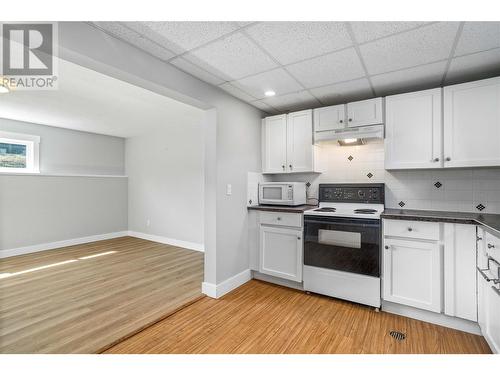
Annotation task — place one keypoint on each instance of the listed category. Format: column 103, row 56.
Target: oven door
column 343, row 244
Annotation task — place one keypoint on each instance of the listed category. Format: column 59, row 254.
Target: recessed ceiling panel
column 420, row 46
column 290, row 42
column 277, row 80
column 478, row 36
column 335, row 67
column 343, row 92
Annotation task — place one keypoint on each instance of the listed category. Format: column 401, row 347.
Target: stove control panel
column 354, row 193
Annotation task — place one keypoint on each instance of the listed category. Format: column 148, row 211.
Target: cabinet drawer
column 492, row 246
column 281, row 218
column 411, row 229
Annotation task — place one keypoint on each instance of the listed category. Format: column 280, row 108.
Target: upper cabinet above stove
column 287, row 145
column 458, row 126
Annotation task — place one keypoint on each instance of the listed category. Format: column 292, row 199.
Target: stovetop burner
column 364, row 211
column 325, row 209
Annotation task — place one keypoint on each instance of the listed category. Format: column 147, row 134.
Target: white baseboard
column 57, row 244
column 432, row 317
column 217, row 291
column 168, row 241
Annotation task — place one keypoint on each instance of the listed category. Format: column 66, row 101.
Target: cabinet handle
column 278, row 218
column 448, row 158
column 410, row 229
column 291, row 167
column 435, row 160
column 386, row 247
column 350, row 120
column 299, row 238
column 283, row 166
column 490, row 246
column 479, row 238
column 341, row 121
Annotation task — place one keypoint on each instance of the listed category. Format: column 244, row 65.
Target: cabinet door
column 274, row 144
column 413, row 130
column 365, row 112
column 412, row 274
column 472, row 124
column 329, row 118
column 460, row 297
column 299, row 142
column 281, row 252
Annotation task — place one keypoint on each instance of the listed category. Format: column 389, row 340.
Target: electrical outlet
column 148, row 222
column 229, row 189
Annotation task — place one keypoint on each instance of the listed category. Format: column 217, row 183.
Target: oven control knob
column 361, row 193
column 386, row 247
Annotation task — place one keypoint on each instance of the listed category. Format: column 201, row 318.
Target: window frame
column 32, row 143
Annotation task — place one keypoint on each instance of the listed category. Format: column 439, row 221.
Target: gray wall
column 236, row 133
column 41, row 209
column 166, row 177
column 68, row 151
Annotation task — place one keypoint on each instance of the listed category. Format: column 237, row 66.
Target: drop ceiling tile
column 366, row 31
column 235, row 56
column 292, row 102
column 196, row 71
column 119, row 30
column 335, row 67
column 476, row 66
column 182, row 36
column 277, row 80
column 264, row 107
column 235, row 91
column 343, row 92
column 290, row 42
column 420, row 46
column 406, row 80
column 478, row 36
column 244, row 23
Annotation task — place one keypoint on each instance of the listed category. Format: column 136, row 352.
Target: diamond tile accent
column 438, row 184
column 350, row 158
column 308, row 184
column 369, row 175
column 401, row 204
column 480, row 207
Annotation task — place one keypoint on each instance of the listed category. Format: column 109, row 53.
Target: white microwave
column 282, row 193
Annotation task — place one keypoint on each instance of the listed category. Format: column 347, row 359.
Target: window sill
column 61, row 175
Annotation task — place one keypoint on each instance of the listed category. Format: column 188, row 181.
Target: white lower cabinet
column 281, row 252
column 488, row 297
column 412, row 273
column 460, row 298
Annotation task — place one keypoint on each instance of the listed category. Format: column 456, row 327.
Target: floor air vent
column 400, row 336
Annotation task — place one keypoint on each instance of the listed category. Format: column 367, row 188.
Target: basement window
column 19, row 153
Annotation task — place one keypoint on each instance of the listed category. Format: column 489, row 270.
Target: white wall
column 166, row 177
column 460, row 190
column 41, row 209
column 236, row 132
column 69, row 151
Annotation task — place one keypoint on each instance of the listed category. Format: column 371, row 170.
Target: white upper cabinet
column 365, row 112
column 329, row 118
column 413, row 130
column 472, row 124
column 299, row 142
column 287, row 143
column 274, row 144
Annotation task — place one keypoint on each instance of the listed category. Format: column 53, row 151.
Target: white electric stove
column 342, row 243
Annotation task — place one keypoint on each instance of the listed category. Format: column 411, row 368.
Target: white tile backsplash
column 460, row 190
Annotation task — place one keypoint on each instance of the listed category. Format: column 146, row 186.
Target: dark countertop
column 490, row 222
column 293, row 209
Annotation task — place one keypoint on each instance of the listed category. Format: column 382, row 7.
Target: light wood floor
column 264, row 318
column 87, row 305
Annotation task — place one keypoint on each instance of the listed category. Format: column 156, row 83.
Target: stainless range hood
column 354, row 133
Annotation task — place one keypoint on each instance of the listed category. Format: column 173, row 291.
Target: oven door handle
column 308, row 221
